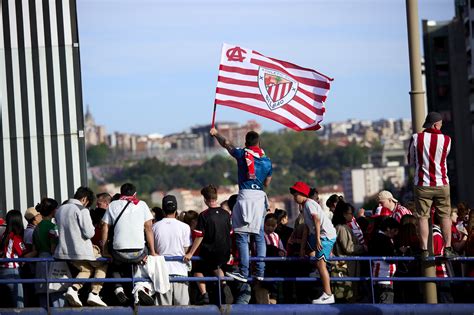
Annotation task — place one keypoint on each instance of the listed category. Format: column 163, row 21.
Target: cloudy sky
column 151, row 66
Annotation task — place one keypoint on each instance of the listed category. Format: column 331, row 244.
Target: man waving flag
column 289, row 94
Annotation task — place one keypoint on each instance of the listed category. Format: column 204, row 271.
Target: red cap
column 300, row 187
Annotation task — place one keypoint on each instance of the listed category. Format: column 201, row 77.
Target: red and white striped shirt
column 14, row 248
column 438, row 248
column 399, row 211
column 428, row 151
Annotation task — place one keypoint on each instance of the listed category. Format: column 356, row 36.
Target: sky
column 151, row 66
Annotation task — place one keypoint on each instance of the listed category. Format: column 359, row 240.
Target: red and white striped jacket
column 428, row 151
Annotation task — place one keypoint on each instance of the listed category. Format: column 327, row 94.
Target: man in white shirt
column 129, row 218
column 173, row 238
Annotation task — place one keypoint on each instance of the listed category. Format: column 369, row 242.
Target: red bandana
column 432, row 130
column 250, row 153
column 131, row 199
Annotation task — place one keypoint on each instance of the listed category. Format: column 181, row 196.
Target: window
column 440, row 44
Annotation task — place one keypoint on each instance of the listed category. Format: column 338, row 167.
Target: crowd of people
column 224, row 236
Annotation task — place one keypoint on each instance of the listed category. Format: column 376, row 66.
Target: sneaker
column 237, row 276
column 95, row 300
column 145, row 299
column 424, row 254
column 324, row 299
column 203, row 299
column 449, row 253
column 72, row 297
column 227, row 294
column 121, row 297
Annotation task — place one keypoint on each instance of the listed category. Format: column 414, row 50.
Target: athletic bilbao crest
column 276, row 87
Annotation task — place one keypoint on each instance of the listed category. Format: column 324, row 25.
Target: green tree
column 98, row 154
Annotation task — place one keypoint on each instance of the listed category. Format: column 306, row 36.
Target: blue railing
column 369, row 278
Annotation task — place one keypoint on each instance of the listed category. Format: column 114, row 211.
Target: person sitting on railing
column 130, row 222
column 75, row 233
column 45, row 240
column 347, row 244
column 213, row 229
column 382, row 244
column 321, row 236
column 172, row 238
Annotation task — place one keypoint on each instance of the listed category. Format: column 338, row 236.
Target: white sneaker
column 324, row 299
column 72, row 297
column 95, row 300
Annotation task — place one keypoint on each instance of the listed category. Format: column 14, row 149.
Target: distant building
column 448, row 63
column 360, row 183
column 94, row 134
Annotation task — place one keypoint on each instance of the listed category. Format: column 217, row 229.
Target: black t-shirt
column 214, row 226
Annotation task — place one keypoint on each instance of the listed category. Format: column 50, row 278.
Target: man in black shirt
column 213, row 235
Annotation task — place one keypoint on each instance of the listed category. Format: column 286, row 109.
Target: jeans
column 16, row 289
column 242, row 241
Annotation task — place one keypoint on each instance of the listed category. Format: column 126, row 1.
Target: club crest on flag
column 276, row 87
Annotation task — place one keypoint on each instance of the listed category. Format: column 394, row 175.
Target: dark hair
column 271, row 218
column 105, row 196
column 280, row 214
column 116, row 197
column 82, row 192
column 407, row 219
column 128, row 189
column 189, row 216
column 251, row 138
column 46, row 206
column 96, row 215
column 313, row 192
column 209, row 192
column 341, row 208
column 232, row 201
column 333, row 199
column 14, row 223
column 159, row 213
column 388, row 223
column 363, row 223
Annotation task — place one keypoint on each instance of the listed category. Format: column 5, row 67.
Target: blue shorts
column 326, row 243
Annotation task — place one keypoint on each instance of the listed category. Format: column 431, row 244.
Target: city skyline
column 142, row 72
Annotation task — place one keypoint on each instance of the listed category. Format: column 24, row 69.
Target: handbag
column 110, row 244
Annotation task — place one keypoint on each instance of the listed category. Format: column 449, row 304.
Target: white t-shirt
column 171, row 237
column 327, row 228
column 129, row 231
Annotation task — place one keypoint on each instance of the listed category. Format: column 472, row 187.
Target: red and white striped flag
column 289, row 94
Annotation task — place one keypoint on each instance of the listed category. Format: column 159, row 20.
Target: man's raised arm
column 226, row 144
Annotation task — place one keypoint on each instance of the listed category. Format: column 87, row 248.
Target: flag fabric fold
column 287, row 93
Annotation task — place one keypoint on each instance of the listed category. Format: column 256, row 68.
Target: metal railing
column 217, row 279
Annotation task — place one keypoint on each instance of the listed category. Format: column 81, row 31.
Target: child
column 322, row 235
column 269, row 290
column 382, row 244
column 11, row 246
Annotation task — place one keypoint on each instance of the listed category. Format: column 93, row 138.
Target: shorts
column 437, row 196
column 326, row 243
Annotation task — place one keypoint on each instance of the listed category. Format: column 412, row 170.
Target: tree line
column 295, row 156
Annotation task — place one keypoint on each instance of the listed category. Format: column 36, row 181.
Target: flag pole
column 214, row 115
